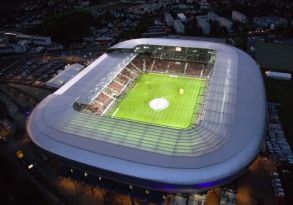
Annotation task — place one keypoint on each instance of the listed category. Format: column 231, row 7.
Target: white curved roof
column 226, row 140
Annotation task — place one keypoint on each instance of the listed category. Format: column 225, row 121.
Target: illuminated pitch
column 157, row 99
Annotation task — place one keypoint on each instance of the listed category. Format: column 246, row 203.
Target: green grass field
column 182, row 109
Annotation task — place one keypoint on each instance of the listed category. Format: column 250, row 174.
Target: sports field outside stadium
column 160, row 99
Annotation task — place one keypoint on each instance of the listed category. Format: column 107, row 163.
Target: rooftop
column 65, row 75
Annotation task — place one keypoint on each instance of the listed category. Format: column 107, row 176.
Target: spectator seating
column 119, row 84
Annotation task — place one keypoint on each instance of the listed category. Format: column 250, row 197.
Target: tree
column 3, row 110
column 67, row 27
column 216, row 30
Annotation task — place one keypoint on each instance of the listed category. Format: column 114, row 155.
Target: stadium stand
column 207, row 70
column 116, row 87
column 104, row 98
column 160, row 65
column 148, row 62
column 194, row 69
column 183, row 62
column 137, row 63
column 122, row 79
column 129, row 73
column 176, row 67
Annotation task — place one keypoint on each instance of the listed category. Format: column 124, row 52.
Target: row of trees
column 69, row 26
column 135, row 32
column 8, row 10
column 3, row 110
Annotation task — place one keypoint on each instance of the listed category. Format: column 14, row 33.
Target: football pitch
column 160, row 99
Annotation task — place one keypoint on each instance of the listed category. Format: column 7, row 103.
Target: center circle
column 159, row 104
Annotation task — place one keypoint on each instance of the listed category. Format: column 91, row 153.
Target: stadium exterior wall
column 240, row 131
column 142, row 183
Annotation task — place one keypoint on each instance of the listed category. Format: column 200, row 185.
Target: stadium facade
column 73, row 123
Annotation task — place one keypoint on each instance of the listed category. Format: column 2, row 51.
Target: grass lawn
column 180, row 112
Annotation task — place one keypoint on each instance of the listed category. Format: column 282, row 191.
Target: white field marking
column 173, row 76
column 158, row 104
column 115, row 112
column 136, row 84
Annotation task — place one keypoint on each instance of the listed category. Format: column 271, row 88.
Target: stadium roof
column 225, row 141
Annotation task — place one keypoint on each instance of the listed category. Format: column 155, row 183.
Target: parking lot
column 31, row 70
column 280, row 153
column 276, row 143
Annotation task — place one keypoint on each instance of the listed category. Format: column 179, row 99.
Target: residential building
column 239, row 17
column 181, row 17
column 224, row 22
column 203, row 23
column 268, row 21
column 31, row 39
column 169, row 19
column 214, row 17
column 179, row 26
column 13, row 48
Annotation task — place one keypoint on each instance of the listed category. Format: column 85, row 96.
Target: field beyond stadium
column 181, row 111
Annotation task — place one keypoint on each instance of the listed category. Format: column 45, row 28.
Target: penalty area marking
column 115, row 112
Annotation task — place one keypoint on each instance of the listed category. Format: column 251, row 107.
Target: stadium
column 160, row 114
